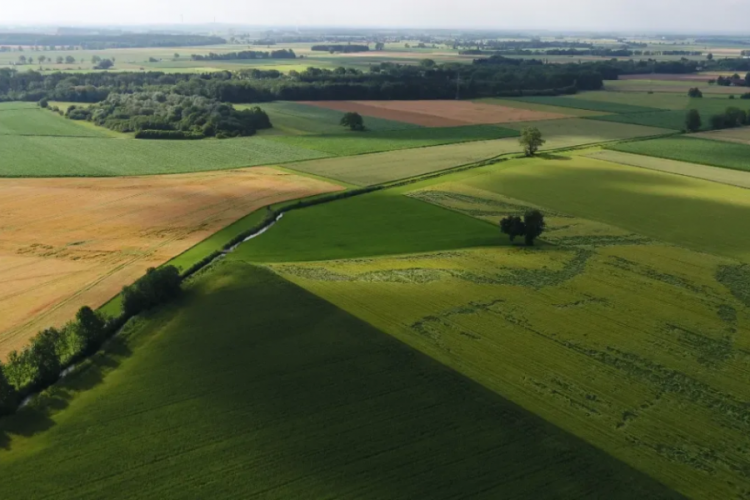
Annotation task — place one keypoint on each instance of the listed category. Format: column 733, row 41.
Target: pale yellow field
column 66, row 243
column 715, row 174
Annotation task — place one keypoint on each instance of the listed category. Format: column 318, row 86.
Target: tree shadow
column 36, row 416
column 552, row 156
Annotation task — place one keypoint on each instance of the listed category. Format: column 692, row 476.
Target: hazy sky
column 673, row 15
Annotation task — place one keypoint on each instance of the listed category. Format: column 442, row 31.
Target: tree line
column 52, row 350
column 332, row 48
column 99, row 42
column 245, row 54
column 160, row 115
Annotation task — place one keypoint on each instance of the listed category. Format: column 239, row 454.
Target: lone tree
column 695, row 92
column 354, row 121
column 530, row 227
column 693, row 121
column 531, row 140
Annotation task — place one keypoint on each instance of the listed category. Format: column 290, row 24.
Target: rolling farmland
column 739, row 135
column 693, row 150
column 42, row 122
column 36, row 156
column 349, row 413
column 715, row 174
column 355, row 143
column 598, row 105
column 578, row 131
column 104, row 234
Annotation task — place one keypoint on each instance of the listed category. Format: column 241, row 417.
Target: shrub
column 43, row 103
column 718, row 122
column 695, row 92
column 746, row 95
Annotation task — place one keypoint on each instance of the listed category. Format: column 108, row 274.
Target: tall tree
column 513, row 226
column 354, row 121
column 693, row 121
column 531, row 140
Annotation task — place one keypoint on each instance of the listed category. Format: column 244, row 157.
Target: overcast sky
column 672, row 15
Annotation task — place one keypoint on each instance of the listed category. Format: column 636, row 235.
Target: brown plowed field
column 66, row 243
column 439, row 113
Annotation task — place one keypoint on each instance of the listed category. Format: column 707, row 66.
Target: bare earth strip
column 740, row 135
column 387, row 114
column 65, row 243
column 720, row 175
column 467, row 111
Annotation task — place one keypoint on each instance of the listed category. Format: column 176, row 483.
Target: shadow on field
column 36, row 416
column 552, row 156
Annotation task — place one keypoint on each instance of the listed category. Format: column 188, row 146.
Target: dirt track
column 65, row 243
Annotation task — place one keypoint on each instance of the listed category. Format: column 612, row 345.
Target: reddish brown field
column 439, row 113
column 65, row 243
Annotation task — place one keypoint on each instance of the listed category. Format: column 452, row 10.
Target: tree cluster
column 732, row 117
column 99, row 42
column 695, row 92
column 347, row 49
column 52, row 350
column 245, row 54
column 177, row 116
column 530, row 227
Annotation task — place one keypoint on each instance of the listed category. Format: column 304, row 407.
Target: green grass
column 354, row 143
column 570, row 102
column 378, row 223
column 42, row 122
column 15, row 105
column 543, row 108
column 675, row 119
column 253, row 388
column 295, row 118
column 74, row 156
column 643, row 99
column 693, row 150
column 660, row 205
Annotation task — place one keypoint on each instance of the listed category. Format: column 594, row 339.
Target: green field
column 15, row 105
column 693, row 150
column 578, row 131
column 289, row 397
column 643, row 99
column 591, row 105
column 378, row 223
column 294, row 118
column 29, row 156
column 355, row 143
column 41, row 122
column 378, row 168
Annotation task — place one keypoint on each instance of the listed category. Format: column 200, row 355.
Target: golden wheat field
column 66, row 243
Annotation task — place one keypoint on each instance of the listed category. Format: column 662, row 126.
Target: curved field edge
column 345, row 414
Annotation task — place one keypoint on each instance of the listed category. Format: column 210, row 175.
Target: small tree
column 513, row 226
column 693, row 121
column 718, row 122
column 710, row 56
column 90, row 326
column 43, row 103
column 531, row 140
column 535, row 225
column 104, row 64
column 695, row 92
column 354, row 121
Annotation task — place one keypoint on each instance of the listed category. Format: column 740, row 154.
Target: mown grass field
column 42, row 122
column 295, row 118
column 591, row 105
column 378, row 223
column 355, row 143
column 35, row 156
column 715, row 174
column 642, row 99
column 16, row 105
column 693, row 150
column 378, row 168
column 171, row 412
column 578, row 131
